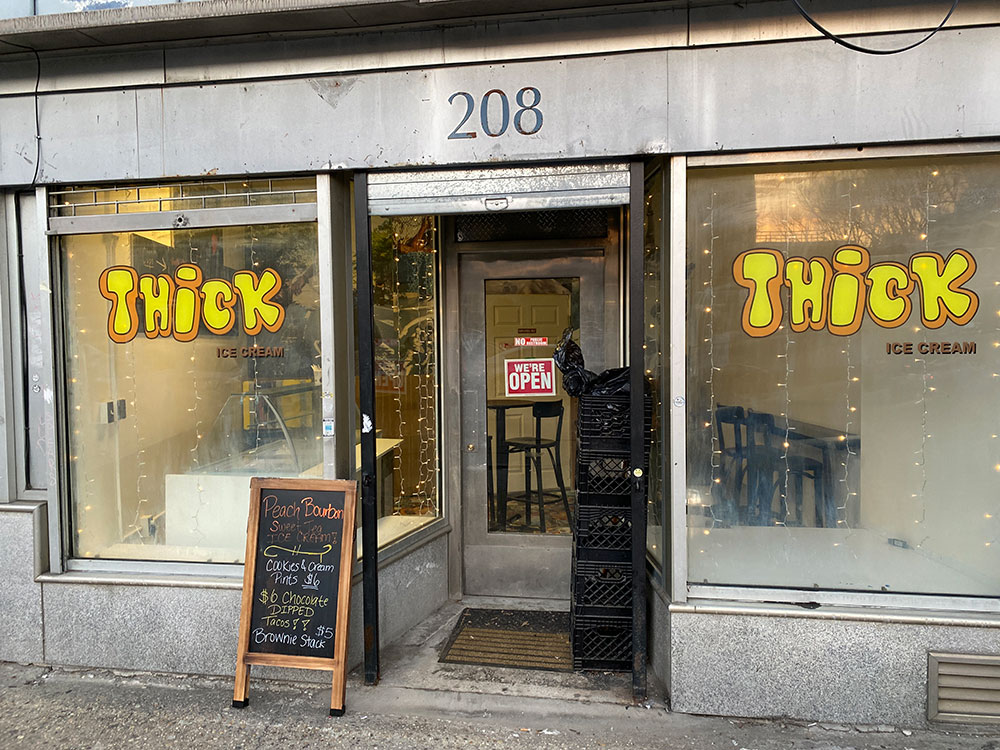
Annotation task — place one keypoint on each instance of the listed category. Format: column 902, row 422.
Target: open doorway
column 517, row 433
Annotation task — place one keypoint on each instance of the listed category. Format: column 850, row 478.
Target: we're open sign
column 529, row 377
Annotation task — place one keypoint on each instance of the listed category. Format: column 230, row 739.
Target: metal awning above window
column 501, row 189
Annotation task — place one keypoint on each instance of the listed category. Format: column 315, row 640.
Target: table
column 500, row 406
column 826, row 440
column 385, row 456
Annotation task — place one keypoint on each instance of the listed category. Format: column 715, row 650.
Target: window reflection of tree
column 885, row 210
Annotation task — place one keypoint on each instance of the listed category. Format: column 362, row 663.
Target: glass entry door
column 518, row 424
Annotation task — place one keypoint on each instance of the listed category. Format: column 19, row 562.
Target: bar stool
column 532, row 448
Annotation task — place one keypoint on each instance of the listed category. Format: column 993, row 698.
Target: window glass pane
column 531, row 423
column 654, row 228
column 842, row 376
column 192, row 362
column 404, row 263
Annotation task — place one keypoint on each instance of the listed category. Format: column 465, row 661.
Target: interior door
column 513, row 312
column 525, row 319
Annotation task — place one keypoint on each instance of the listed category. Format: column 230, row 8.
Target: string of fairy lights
column 191, row 253
column 139, row 437
column 651, row 343
column 786, row 391
column 715, row 459
column 846, row 492
column 926, row 388
column 415, row 365
column 398, row 378
column 427, row 383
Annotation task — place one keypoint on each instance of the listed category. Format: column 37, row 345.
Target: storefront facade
column 819, row 310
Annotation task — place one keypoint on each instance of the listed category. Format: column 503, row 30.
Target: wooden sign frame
column 338, row 662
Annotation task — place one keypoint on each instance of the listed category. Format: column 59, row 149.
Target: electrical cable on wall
column 38, row 81
column 867, row 50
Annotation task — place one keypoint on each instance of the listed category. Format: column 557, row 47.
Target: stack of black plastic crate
column 601, row 611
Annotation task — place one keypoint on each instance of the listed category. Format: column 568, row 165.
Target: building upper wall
column 64, row 24
column 652, row 81
column 232, row 56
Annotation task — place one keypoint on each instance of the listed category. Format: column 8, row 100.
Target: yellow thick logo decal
column 836, row 294
column 178, row 305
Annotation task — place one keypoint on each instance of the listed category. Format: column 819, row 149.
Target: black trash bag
column 577, row 382
column 568, row 355
column 610, row 383
column 569, row 359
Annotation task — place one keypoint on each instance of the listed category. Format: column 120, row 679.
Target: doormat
column 508, row 638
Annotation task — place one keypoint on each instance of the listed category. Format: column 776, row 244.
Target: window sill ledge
column 215, row 576
column 859, row 613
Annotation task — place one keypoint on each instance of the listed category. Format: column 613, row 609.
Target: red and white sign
column 529, row 377
column 531, row 341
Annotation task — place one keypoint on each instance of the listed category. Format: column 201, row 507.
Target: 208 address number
column 527, row 118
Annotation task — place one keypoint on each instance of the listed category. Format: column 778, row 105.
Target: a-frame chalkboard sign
column 297, row 580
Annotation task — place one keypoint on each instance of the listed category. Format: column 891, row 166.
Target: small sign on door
column 531, row 341
column 529, row 377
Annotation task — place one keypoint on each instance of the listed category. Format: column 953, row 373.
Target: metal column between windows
column 366, row 374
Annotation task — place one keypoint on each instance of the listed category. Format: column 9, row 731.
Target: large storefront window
column 842, row 378
column 404, row 277
column 192, row 360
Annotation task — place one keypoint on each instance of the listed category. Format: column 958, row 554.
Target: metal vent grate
column 181, row 196
column 580, row 223
column 963, row 688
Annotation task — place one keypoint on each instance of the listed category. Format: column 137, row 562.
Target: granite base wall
column 814, row 669
column 184, row 629
column 20, row 597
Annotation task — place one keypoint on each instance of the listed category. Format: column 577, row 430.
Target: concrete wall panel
column 194, row 630
column 746, row 97
column 153, row 628
column 810, row 668
column 88, row 133
column 816, row 94
column 20, row 596
column 17, row 141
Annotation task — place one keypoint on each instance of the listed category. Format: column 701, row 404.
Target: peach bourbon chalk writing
column 835, row 294
column 299, row 554
column 177, row 305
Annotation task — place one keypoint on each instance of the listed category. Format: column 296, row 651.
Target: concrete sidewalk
column 419, row 703
column 46, row 708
